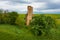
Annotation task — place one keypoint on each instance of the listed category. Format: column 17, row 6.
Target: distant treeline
column 8, row 17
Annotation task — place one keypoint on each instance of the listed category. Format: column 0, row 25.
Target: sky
column 39, row 6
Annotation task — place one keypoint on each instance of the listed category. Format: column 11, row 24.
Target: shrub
column 20, row 21
column 13, row 16
column 8, row 17
column 42, row 24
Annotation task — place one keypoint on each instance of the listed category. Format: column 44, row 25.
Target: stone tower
column 29, row 15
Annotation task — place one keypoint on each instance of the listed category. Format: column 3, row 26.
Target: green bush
column 42, row 24
column 13, row 16
column 20, row 21
column 8, row 17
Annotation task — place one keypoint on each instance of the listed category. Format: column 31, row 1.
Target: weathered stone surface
column 29, row 15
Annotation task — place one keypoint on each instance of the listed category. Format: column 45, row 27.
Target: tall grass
column 13, row 32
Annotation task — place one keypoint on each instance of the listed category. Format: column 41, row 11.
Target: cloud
column 55, row 1
column 21, row 7
column 51, row 11
column 38, row 5
column 4, row 4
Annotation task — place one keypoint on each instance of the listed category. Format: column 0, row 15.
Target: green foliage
column 13, row 16
column 42, row 24
column 0, row 18
column 20, row 20
column 12, row 32
column 8, row 17
column 1, row 12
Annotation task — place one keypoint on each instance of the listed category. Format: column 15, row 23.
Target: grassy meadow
column 14, row 32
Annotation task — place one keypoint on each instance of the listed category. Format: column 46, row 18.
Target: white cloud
column 4, row 5
column 55, row 1
column 41, row 5
column 29, row 0
column 38, row 4
column 21, row 7
column 50, row 10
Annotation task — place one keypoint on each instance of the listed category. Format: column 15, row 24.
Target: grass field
column 14, row 32
column 11, row 32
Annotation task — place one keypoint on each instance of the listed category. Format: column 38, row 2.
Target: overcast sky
column 39, row 6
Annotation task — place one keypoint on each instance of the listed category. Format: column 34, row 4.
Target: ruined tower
column 29, row 15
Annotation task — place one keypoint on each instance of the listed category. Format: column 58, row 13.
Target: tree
column 13, row 16
column 1, row 12
column 42, row 24
column 5, row 17
column 8, row 17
